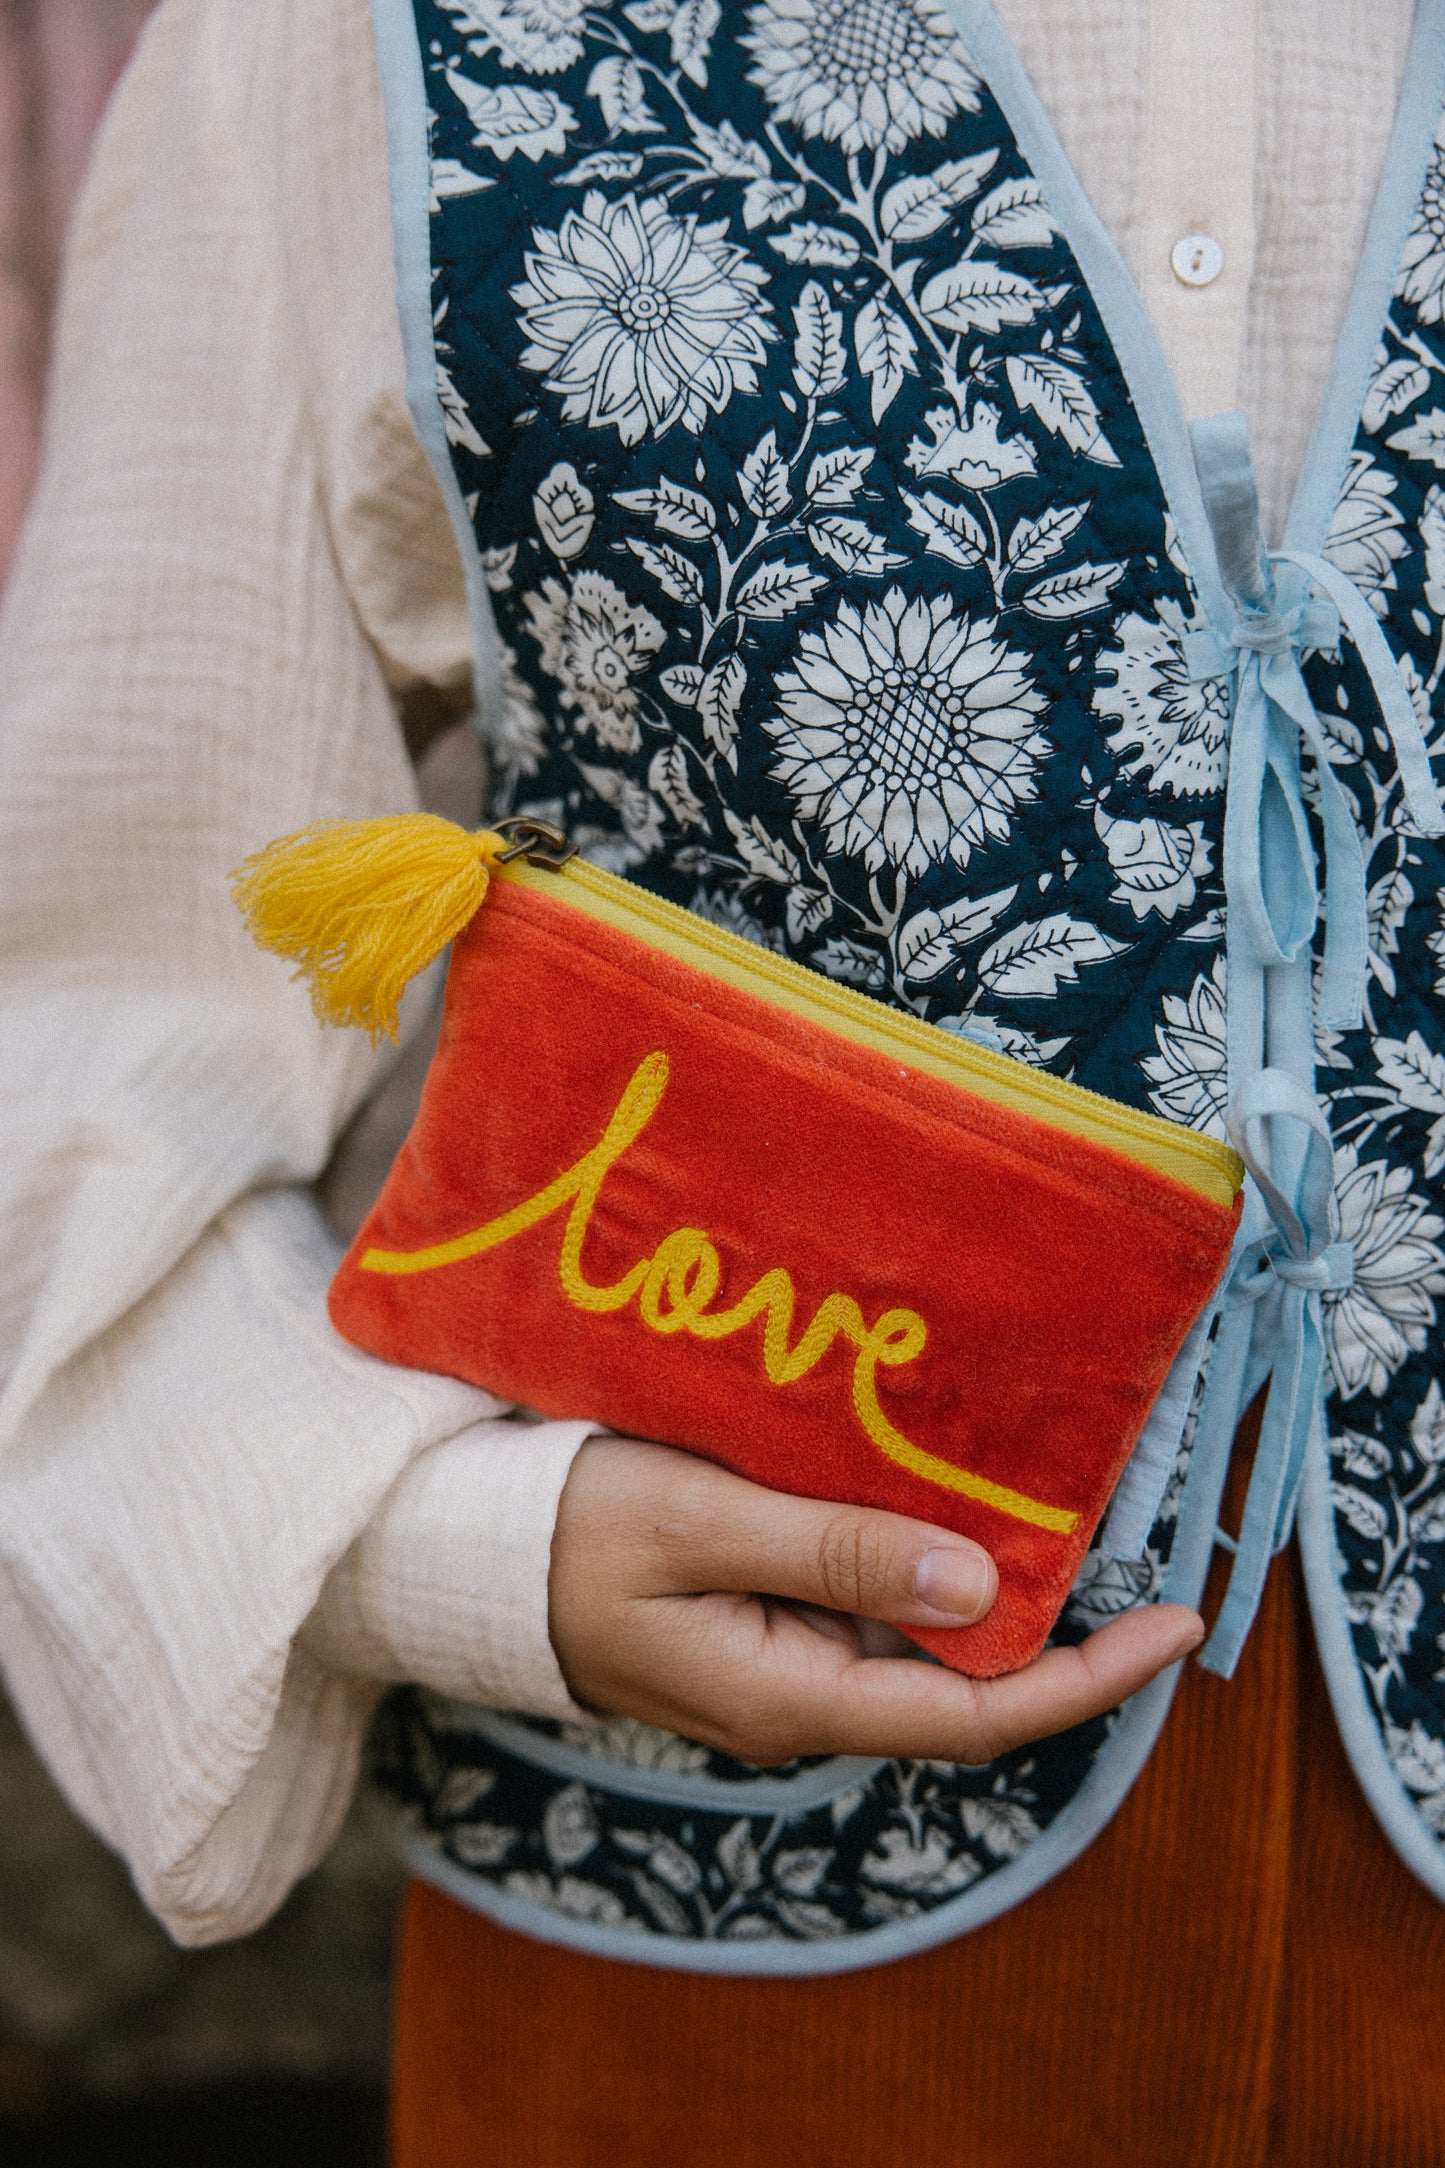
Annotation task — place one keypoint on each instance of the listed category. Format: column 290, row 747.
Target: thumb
column 844, row 1558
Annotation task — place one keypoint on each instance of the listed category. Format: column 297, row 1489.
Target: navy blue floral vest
column 843, row 570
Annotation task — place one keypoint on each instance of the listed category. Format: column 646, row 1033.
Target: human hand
column 688, row 1597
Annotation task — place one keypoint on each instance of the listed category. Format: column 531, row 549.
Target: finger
column 722, row 1532
column 809, row 1697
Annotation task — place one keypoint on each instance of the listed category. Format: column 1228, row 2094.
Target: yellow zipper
column 1205, row 1165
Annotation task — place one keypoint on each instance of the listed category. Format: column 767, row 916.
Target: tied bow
column 1272, row 1302
column 1288, row 602
column 1287, row 1255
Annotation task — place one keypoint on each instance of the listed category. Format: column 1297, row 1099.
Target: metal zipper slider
column 539, row 842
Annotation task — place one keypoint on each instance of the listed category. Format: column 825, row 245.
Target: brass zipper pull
column 539, row 842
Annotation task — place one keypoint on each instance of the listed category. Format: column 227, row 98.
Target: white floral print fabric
column 1386, row 1083
column 593, row 643
column 839, row 603
column 1422, row 273
column 906, row 733
column 864, row 74
column 812, row 570
column 639, row 319
column 1171, row 729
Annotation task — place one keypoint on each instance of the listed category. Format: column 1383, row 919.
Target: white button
column 1197, row 260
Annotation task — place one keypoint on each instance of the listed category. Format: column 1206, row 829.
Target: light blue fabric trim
column 1095, row 1804
column 1141, row 1487
column 1359, row 621
column 1225, row 468
column 1325, row 465
column 1287, row 1257
column 1269, row 876
column 666, row 1787
column 1226, row 1395
column 409, row 160
column 1117, row 298
column 1339, row 419
column 1302, row 1262
column 1359, row 1728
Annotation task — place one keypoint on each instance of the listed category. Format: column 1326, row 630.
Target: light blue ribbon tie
column 1283, row 1274
column 1288, row 602
column 1288, row 1255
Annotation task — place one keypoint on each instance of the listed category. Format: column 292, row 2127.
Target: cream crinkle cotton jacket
column 220, row 1526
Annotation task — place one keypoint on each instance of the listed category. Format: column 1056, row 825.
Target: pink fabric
column 58, row 62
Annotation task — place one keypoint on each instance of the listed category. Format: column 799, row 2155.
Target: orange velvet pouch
column 671, row 1181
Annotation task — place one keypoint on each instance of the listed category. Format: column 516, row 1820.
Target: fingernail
column 959, row 1583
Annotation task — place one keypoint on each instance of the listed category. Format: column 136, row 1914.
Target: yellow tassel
column 361, row 906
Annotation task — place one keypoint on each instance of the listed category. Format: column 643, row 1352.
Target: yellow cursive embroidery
column 674, row 1287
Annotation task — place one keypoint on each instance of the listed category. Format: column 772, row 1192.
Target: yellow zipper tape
column 1203, row 1164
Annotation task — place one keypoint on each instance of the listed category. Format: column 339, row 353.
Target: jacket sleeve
column 236, row 556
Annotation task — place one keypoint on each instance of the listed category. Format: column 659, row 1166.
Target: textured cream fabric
column 236, row 551
column 1264, row 123
column 235, row 545
column 1320, row 152
column 403, row 1603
